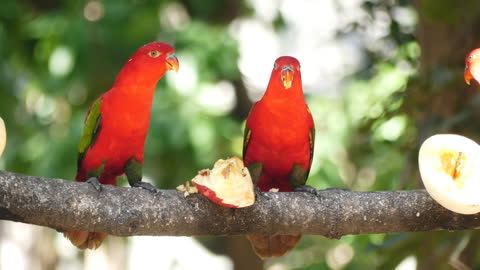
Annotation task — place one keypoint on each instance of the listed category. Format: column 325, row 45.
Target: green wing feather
column 311, row 141
column 133, row 171
column 246, row 139
column 298, row 176
column 90, row 130
column 256, row 168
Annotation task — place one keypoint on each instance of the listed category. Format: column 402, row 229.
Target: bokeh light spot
column 339, row 256
column 93, row 11
column 61, row 61
column 174, row 16
column 392, row 129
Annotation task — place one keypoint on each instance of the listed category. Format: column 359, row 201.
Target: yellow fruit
column 3, row 136
column 228, row 184
column 450, row 170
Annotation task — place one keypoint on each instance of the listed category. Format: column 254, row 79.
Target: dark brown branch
column 125, row 211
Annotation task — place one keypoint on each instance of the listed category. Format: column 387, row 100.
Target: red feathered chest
column 279, row 138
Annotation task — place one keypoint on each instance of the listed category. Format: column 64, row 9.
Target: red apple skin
column 212, row 196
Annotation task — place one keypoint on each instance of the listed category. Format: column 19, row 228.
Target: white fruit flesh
column 3, row 136
column 228, row 184
column 450, row 170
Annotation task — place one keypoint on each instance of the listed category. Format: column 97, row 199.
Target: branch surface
column 123, row 211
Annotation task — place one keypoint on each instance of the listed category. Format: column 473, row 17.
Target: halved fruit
column 228, row 184
column 3, row 136
column 450, row 170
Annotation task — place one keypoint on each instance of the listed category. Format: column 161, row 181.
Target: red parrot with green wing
column 116, row 125
column 278, row 144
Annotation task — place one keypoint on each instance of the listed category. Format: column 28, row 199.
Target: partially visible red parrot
column 116, row 125
column 472, row 66
column 278, row 144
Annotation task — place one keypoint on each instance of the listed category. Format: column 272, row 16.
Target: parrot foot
column 95, row 183
column 307, row 188
column 146, row 186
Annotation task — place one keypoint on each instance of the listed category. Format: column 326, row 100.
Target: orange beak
column 467, row 75
column 172, row 62
column 287, row 76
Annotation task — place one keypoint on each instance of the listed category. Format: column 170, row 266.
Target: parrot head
column 287, row 71
column 153, row 60
column 472, row 66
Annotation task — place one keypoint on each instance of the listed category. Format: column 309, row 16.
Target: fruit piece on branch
column 228, row 184
column 450, row 170
column 3, row 136
column 187, row 189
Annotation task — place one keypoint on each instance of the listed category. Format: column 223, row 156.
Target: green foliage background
column 367, row 136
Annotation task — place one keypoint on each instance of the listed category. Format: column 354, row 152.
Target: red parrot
column 472, row 67
column 278, row 144
column 116, row 125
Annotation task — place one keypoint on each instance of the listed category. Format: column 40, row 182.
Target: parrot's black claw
column 95, row 183
column 307, row 188
column 146, row 186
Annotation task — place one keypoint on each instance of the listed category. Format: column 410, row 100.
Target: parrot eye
column 275, row 66
column 298, row 68
column 154, row 54
column 470, row 58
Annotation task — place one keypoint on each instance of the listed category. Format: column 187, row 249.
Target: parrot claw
column 146, row 186
column 95, row 183
column 307, row 188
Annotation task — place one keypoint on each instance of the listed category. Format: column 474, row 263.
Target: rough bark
column 123, row 211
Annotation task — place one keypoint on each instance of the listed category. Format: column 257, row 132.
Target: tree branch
column 65, row 205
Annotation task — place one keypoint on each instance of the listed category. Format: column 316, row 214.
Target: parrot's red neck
column 135, row 83
column 132, row 74
column 135, row 88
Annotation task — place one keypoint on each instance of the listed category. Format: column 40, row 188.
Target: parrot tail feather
column 84, row 239
column 267, row 246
